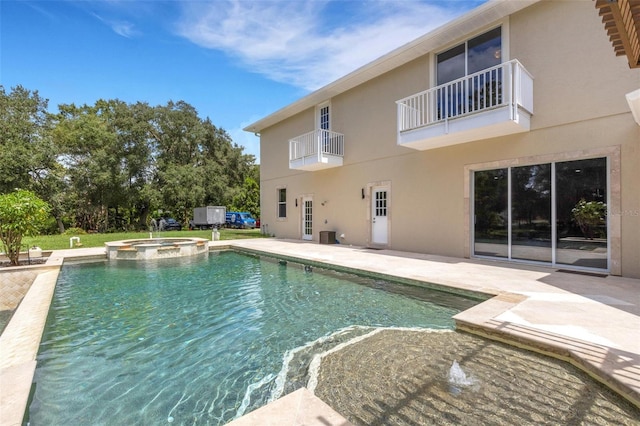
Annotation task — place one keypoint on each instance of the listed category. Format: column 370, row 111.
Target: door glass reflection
column 491, row 214
column 581, row 213
column 531, row 212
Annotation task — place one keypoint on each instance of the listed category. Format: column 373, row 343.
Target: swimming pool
column 202, row 339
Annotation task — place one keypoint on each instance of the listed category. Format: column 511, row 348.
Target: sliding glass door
column 553, row 213
column 491, row 213
column 582, row 212
column 531, row 213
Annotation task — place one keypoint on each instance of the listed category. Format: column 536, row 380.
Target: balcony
column 316, row 150
column 497, row 101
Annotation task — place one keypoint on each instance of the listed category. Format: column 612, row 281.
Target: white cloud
column 122, row 28
column 310, row 43
column 125, row 29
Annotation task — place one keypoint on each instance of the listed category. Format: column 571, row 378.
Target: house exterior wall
column 579, row 112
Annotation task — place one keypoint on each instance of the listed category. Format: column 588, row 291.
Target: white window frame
column 280, row 203
column 504, row 34
column 319, row 109
column 612, row 154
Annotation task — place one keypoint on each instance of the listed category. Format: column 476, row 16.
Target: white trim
column 509, row 216
column 278, row 202
column 318, row 114
column 506, row 46
column 503, row 24
column 609, row 225
column 303, row 236
column 633, row 99
column 380, row 186
column 554, row 216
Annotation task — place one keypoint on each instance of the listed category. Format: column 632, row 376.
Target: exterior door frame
column 383, row 239
column 320, row 123
column 612, row 155
column 306, row 217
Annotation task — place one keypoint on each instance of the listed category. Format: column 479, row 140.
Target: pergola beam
column 621, row 19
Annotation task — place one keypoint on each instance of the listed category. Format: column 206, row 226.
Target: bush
column 22, row 213
column 75, row 231
column 589, row 215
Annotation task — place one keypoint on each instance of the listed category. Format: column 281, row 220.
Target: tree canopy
column 114, row 165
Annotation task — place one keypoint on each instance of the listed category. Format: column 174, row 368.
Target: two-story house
column 504, row 134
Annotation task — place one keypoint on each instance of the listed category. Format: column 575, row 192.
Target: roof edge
column 482, row 15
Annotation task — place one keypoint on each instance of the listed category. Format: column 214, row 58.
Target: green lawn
column 57, row 242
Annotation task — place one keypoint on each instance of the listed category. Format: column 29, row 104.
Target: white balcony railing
column 317, row 149
column 508, row 84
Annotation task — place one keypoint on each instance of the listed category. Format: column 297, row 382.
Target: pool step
column 297, row 372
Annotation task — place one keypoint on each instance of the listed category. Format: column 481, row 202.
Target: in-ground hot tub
column 156, row 248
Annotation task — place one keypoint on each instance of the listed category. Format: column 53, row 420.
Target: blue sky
column 234, row 61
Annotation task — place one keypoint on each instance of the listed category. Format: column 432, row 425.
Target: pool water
column 201, row 339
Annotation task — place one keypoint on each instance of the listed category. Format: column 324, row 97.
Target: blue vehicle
column 240, row 220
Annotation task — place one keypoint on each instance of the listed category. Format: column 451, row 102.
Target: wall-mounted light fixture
column 296, row 202
column 363, row 193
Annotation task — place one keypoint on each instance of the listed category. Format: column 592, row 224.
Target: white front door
column 307, row 218
column 379, row 221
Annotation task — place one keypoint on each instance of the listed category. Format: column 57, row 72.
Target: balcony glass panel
column 451, row 64
column 476, row 54
column 484, row 51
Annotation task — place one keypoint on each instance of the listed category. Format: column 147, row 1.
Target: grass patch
column 59, row 242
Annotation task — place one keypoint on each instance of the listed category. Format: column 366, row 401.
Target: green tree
column 91, row 159
column 141, row 193
column 220, row 179
column 177, row 133
column 248, row 198
column 28, row 156
column 108, row 160
column 118, row 162
column 22, row 213
column 196, row 163
column 25, row 144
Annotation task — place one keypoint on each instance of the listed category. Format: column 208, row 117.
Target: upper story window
column 476, row 54
column 282, row 203
column 324, row 117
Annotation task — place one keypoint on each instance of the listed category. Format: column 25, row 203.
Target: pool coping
column 19, row 345
column 20, row 341
column 140, row 249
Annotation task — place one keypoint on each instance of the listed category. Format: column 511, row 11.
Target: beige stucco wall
column 579, row 109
